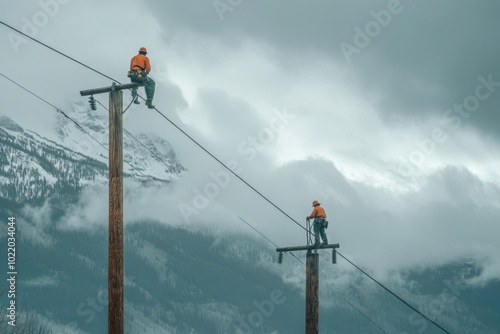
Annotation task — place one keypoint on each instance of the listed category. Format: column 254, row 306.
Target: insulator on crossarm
column 280, row 258
column 92, row 103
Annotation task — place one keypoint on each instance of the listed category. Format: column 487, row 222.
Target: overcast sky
column 387, row 112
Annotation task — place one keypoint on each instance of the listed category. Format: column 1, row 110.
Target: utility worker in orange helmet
column 320, row 223
column 139, row 70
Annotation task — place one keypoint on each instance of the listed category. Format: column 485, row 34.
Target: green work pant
column 149, row 87
column 319, row 229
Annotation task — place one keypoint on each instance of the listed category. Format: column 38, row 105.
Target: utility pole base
column 312, row 297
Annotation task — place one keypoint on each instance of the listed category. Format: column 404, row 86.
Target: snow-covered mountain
column 145, row 155
column 33, row 168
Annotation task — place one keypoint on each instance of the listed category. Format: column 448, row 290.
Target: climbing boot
column 150, row 104
column 136, row 101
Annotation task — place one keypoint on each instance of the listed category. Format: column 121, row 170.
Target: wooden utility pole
column 312, row 297
column 312, row 277
column 115, row 237
column 115, row 242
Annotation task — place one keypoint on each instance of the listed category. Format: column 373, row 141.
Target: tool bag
column 136, row 75
column 322, row 221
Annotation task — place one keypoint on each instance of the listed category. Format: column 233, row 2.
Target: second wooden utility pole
column 312, row 280
column 312, row 297
column 312, row 275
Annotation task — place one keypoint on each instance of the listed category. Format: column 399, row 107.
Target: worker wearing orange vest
column 139, row 70
column 320, row 223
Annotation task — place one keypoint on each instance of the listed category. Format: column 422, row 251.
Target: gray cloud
column 426, row 58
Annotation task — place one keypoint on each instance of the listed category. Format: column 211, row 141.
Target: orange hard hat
column 143, row 49
column 316, row 203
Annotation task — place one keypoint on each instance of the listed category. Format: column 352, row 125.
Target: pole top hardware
column 92, row 102
column 309, row 247
column 113, row 87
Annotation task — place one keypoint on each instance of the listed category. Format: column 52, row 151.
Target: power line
column 359, row 311
column 261, row 234
column 56, row 51
column 394, row 294
column 253, row 228
column 230, row 170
